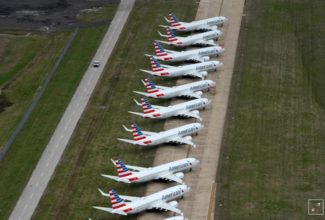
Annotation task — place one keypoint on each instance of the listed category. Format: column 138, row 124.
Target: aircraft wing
column 205, row 42
column 166, row 206
column 171, row 177
column 190, row 94
column 189, row 114
column 136, row 168
column 182, row 140
column 195, row 74
column 196, row 59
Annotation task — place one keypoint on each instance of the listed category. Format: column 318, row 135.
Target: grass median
column 273, row 154
column 20, row 161
column 73, row 190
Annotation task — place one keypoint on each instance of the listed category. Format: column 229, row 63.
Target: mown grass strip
column 73, row 190
column 21, row 159
column 273, row 154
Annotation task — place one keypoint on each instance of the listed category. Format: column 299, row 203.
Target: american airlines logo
column 193, row 106
column 206, row 52
column 209, row 36
column 178, row 167
column 198, row 87
column 171, row 195
column 186, row 131
column 205, row 67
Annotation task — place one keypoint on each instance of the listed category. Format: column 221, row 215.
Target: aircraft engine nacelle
column 180, row 175
column 204, row 73
column 199, row 93
column 173, row 203
column 196, row 112
column 206, row 58
column 189, row 138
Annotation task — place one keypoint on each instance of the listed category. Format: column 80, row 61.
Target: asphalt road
column 42, row 173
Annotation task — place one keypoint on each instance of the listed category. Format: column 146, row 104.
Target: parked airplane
column 172, row 171
column 163, row 200
column 179, row 135
column 205, row 24
column 186, row 109
column 203, row 39
column 196, row 55
column 199, row 70
column 189, row 90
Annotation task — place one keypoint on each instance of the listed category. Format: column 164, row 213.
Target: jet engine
column 206, row 58
column 189, row 138
column 180, row 175
column 204, row 73
column 196, row 112
column 173, row 203
column 199, row 93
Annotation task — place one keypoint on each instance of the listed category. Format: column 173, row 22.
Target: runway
column 45, row 167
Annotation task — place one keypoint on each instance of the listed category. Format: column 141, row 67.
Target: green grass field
column 24, row 62
column 73, row 190
column 273, row 154
column 19, row 163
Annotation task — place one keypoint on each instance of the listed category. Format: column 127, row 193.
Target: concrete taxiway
column 43, row 171
column 198, row 203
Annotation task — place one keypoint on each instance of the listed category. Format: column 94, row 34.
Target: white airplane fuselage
column 145, row 203
column 204, row 53
column 205, row 24
column 180, row 90
column 164, row 136
column 175, row 110
column 153, row 173
column 197, row 38
column 183, row 70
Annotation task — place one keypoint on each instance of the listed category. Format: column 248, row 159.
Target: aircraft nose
column 196, row 162
column 212, row 83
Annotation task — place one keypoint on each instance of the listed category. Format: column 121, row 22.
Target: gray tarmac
column 51, row 156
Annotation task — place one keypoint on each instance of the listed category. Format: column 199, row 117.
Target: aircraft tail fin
column 116, row 200
column 151, row 86
column 170, row 35
column 155, row 65
column 146, row 106
column 122, row 170
column 173, row 20
column 136, row 132
column 159, row 50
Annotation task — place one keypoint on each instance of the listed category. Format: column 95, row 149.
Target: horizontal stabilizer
column 110, row 177
column 164, row 42
column 148, row 71
column 110, row 210
column 143, row 93
column 138, row 113
column 127, row 141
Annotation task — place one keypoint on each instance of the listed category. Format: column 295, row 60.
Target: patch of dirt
column 47, row 15
column 3, row 102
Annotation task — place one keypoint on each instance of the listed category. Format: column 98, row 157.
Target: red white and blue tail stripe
column 116, row 200
column 137, row 133
column 122, row 170
column 173, row 20
column 170, row 35
column 155, row 65
column 146, row 106
column 151, row 87
column 159, row 50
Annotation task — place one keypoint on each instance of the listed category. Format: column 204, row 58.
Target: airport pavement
column 198, row 203
column 43, row 171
